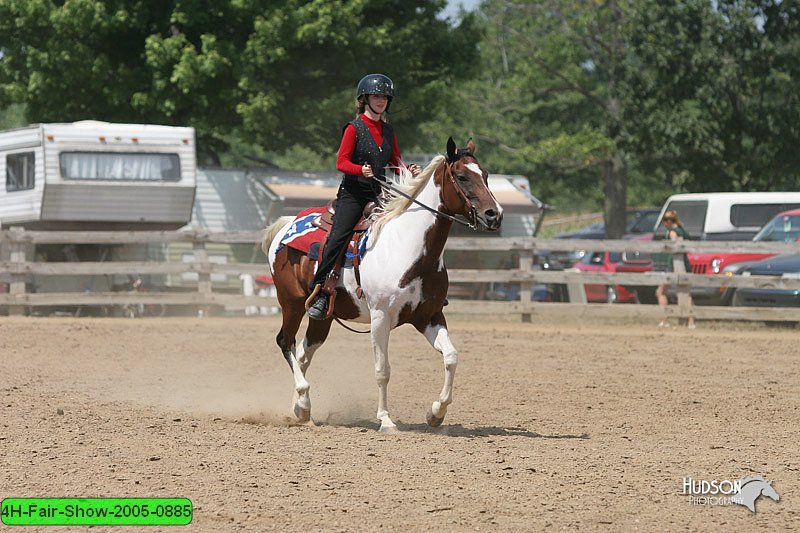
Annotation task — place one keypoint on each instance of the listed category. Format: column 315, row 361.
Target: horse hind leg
column 437, row 335
column 316, row 333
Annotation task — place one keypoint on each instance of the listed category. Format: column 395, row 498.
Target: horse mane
column 749, row 479
column 393, row 205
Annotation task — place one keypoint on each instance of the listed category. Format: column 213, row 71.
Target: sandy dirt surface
column 555, row 425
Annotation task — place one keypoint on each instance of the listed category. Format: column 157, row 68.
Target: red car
column 785, row 227
column 610, row 262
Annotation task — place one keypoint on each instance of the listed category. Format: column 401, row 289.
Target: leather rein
column 448, row 171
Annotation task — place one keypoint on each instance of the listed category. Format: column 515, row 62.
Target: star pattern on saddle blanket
column 304, row 236
column 303, row 233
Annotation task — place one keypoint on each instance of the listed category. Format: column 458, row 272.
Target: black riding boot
column 319, row 308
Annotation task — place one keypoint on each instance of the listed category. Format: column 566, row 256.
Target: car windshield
column 783, row 228
column 642, row 222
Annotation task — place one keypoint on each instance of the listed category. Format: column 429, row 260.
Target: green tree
column 714, row 100
column 547, row 103
column 270, row 72
column 12, row 117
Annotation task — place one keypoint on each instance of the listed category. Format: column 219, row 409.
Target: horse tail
column 271, row 231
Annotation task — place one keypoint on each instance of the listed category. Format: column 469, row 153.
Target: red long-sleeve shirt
column 348, row 144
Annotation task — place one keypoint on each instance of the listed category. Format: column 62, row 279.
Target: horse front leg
column 437, row 334
column 380, row 328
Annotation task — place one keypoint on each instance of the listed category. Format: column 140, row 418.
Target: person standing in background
column 673, row 231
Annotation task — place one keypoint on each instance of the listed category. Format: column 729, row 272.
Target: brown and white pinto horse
column 403, row 277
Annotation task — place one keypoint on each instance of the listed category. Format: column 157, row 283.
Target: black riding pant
column 352, row 198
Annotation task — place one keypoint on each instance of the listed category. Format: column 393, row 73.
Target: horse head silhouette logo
column 752, row 488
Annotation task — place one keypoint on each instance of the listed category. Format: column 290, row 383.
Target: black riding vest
column 368, row 151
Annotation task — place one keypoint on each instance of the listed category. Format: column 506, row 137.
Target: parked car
column 640, row 222
column 787, row 266
column 728, row 216
column 510, row 292
column 784, row 227
column 611, row 262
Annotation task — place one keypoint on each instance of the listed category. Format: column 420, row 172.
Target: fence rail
column 18, row 244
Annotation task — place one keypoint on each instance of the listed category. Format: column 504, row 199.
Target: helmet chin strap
column 389, row 100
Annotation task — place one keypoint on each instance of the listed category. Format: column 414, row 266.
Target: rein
column 472, row 225
column 345, row 326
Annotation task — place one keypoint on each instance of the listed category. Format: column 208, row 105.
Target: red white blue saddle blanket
column 304, row 236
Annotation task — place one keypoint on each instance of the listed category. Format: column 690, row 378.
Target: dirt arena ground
column 555, row 425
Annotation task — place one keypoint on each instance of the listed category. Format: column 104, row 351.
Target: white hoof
column 387, row 426
column 303, row 414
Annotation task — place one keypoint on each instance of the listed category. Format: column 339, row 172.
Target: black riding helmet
column 375, row 84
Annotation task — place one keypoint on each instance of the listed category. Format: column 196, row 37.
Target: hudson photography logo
column 744, row 491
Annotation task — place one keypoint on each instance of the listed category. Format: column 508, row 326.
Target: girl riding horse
column 403, row 279
column 368, row 145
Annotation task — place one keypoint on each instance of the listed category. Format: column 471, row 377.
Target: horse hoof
column 433, row 420
column 302, row 415
column 389, row 429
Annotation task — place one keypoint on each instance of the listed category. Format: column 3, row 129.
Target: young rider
column 368, row 145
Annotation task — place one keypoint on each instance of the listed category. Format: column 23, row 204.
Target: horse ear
column 471, row 146
column 451, row 150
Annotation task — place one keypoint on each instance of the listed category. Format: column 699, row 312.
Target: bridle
column 448, row 173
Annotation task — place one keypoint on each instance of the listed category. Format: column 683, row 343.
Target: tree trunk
column 616, row 187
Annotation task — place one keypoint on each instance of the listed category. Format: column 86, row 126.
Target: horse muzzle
column 491, row 219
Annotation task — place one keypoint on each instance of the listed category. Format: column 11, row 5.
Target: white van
column 727, row 216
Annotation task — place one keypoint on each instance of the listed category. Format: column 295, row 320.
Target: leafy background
column 602, row 104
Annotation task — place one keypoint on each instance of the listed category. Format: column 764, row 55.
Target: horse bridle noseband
column 448, row 171
column 460, row 192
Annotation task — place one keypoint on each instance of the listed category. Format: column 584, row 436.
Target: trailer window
column 756, row 215
column 120, row 166
column 20, row 169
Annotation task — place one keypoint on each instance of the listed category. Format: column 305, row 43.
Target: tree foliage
column 590, row 99
column 680, row 96
column 273, row 72
column 714, row 99
column 546, row 104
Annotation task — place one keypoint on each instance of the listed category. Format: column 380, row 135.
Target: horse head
column 769, row 491
column 751, row 488
column 465, row 190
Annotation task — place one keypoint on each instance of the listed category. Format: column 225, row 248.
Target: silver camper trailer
column 93, row 175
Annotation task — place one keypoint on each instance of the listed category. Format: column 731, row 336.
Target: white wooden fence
column 18, row 245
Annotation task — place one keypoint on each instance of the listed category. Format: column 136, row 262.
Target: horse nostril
column 490, row 213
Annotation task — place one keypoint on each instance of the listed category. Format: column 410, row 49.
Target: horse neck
column 421, row 228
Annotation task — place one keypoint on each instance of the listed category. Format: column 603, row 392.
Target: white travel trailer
column 93, row 175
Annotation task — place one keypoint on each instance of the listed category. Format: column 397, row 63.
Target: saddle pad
column 305, row 237
column 303, row 234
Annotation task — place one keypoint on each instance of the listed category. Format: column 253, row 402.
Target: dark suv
column 640, row 224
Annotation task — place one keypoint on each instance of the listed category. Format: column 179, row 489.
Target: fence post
column 203, row 275
column 684, row 290
column 525, row 265
column 17, row 254
column 576, row 292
